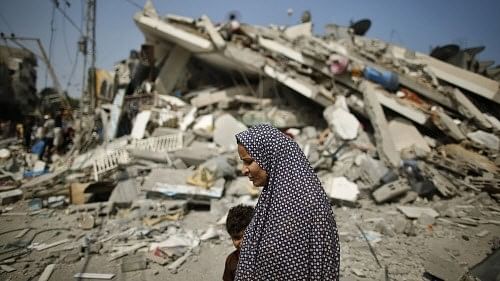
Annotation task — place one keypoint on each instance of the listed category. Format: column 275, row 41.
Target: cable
column 52, row 29
column 6, row 23
column 56, row 6
column 72, row 71
column 134, row 4
column 66, row 42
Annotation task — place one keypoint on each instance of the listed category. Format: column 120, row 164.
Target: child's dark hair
column 238, row 219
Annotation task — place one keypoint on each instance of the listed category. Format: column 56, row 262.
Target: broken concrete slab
column 341, row 188
column 225, row 129
column 385, row 144
column 414, row 114
column 405, row 135
column 172, row 183
column 446, row 124
column 343, row 123
column 141, row 120
column 125, row 192
column 416, row 212
column 172, row 70
column 473, row 82
column 485, row 139
column 298, row 83
column 196, row 153
column 468, row 109
column 219, row 42
column 114, row 117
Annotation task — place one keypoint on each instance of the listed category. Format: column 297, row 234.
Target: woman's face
column 251, row 168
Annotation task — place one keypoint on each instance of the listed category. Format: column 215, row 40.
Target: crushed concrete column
column 385, row 145
column 468, row 109
column 172, row 69
column 446, row 124
column 213, row 33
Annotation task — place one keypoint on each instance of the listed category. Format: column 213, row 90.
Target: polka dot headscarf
column 293, row 234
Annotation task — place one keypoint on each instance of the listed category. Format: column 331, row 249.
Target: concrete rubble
column 406, row 145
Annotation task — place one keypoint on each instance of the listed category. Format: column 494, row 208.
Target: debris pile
column 407, row 140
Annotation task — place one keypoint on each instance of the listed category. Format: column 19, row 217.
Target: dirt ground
column 402, row 246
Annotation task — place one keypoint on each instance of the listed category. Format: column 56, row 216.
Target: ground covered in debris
column 462, row 236
column 406, row 147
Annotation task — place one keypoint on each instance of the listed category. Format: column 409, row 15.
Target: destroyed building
column 17, row 82
column 405, row 144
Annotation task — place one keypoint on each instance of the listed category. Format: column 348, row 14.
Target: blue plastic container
column 387, row 79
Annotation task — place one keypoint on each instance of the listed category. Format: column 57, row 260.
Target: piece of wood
column 47, row 272
column 102, row 276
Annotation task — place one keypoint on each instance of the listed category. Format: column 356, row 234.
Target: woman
column 293, row 234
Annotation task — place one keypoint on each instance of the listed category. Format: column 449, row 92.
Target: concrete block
column 11, row 196
column 416, row 212
column 226, row 127
column 405, row 135
column 343, row 123
column 140, row 123
column 341, row 188
column 390, row 191
column 485, row 139
column 172, row 70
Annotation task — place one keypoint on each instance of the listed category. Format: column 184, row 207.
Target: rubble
column 408, row 142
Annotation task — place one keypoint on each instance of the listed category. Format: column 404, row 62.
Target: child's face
column 237, row 239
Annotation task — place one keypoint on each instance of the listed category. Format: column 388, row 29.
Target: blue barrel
column 387, row 79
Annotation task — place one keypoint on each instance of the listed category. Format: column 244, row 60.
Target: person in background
column 238, row 218
column 48, row 131
column 28, row 131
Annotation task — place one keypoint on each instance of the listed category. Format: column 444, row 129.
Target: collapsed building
column 406, row 140
column 17, row 83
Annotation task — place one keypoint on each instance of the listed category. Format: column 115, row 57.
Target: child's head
column 238, row 219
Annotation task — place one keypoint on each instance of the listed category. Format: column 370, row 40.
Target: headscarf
column 293, row 234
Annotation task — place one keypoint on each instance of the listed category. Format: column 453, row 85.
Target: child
column 238, row 219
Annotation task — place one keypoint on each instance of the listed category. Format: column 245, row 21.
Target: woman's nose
column 244, row 170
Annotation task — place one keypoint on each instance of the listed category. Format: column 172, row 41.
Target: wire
column 56, row 6
column 72, row 70
column 6, row 23
column 52, row 29
column 66, row 42
column 134, row 4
